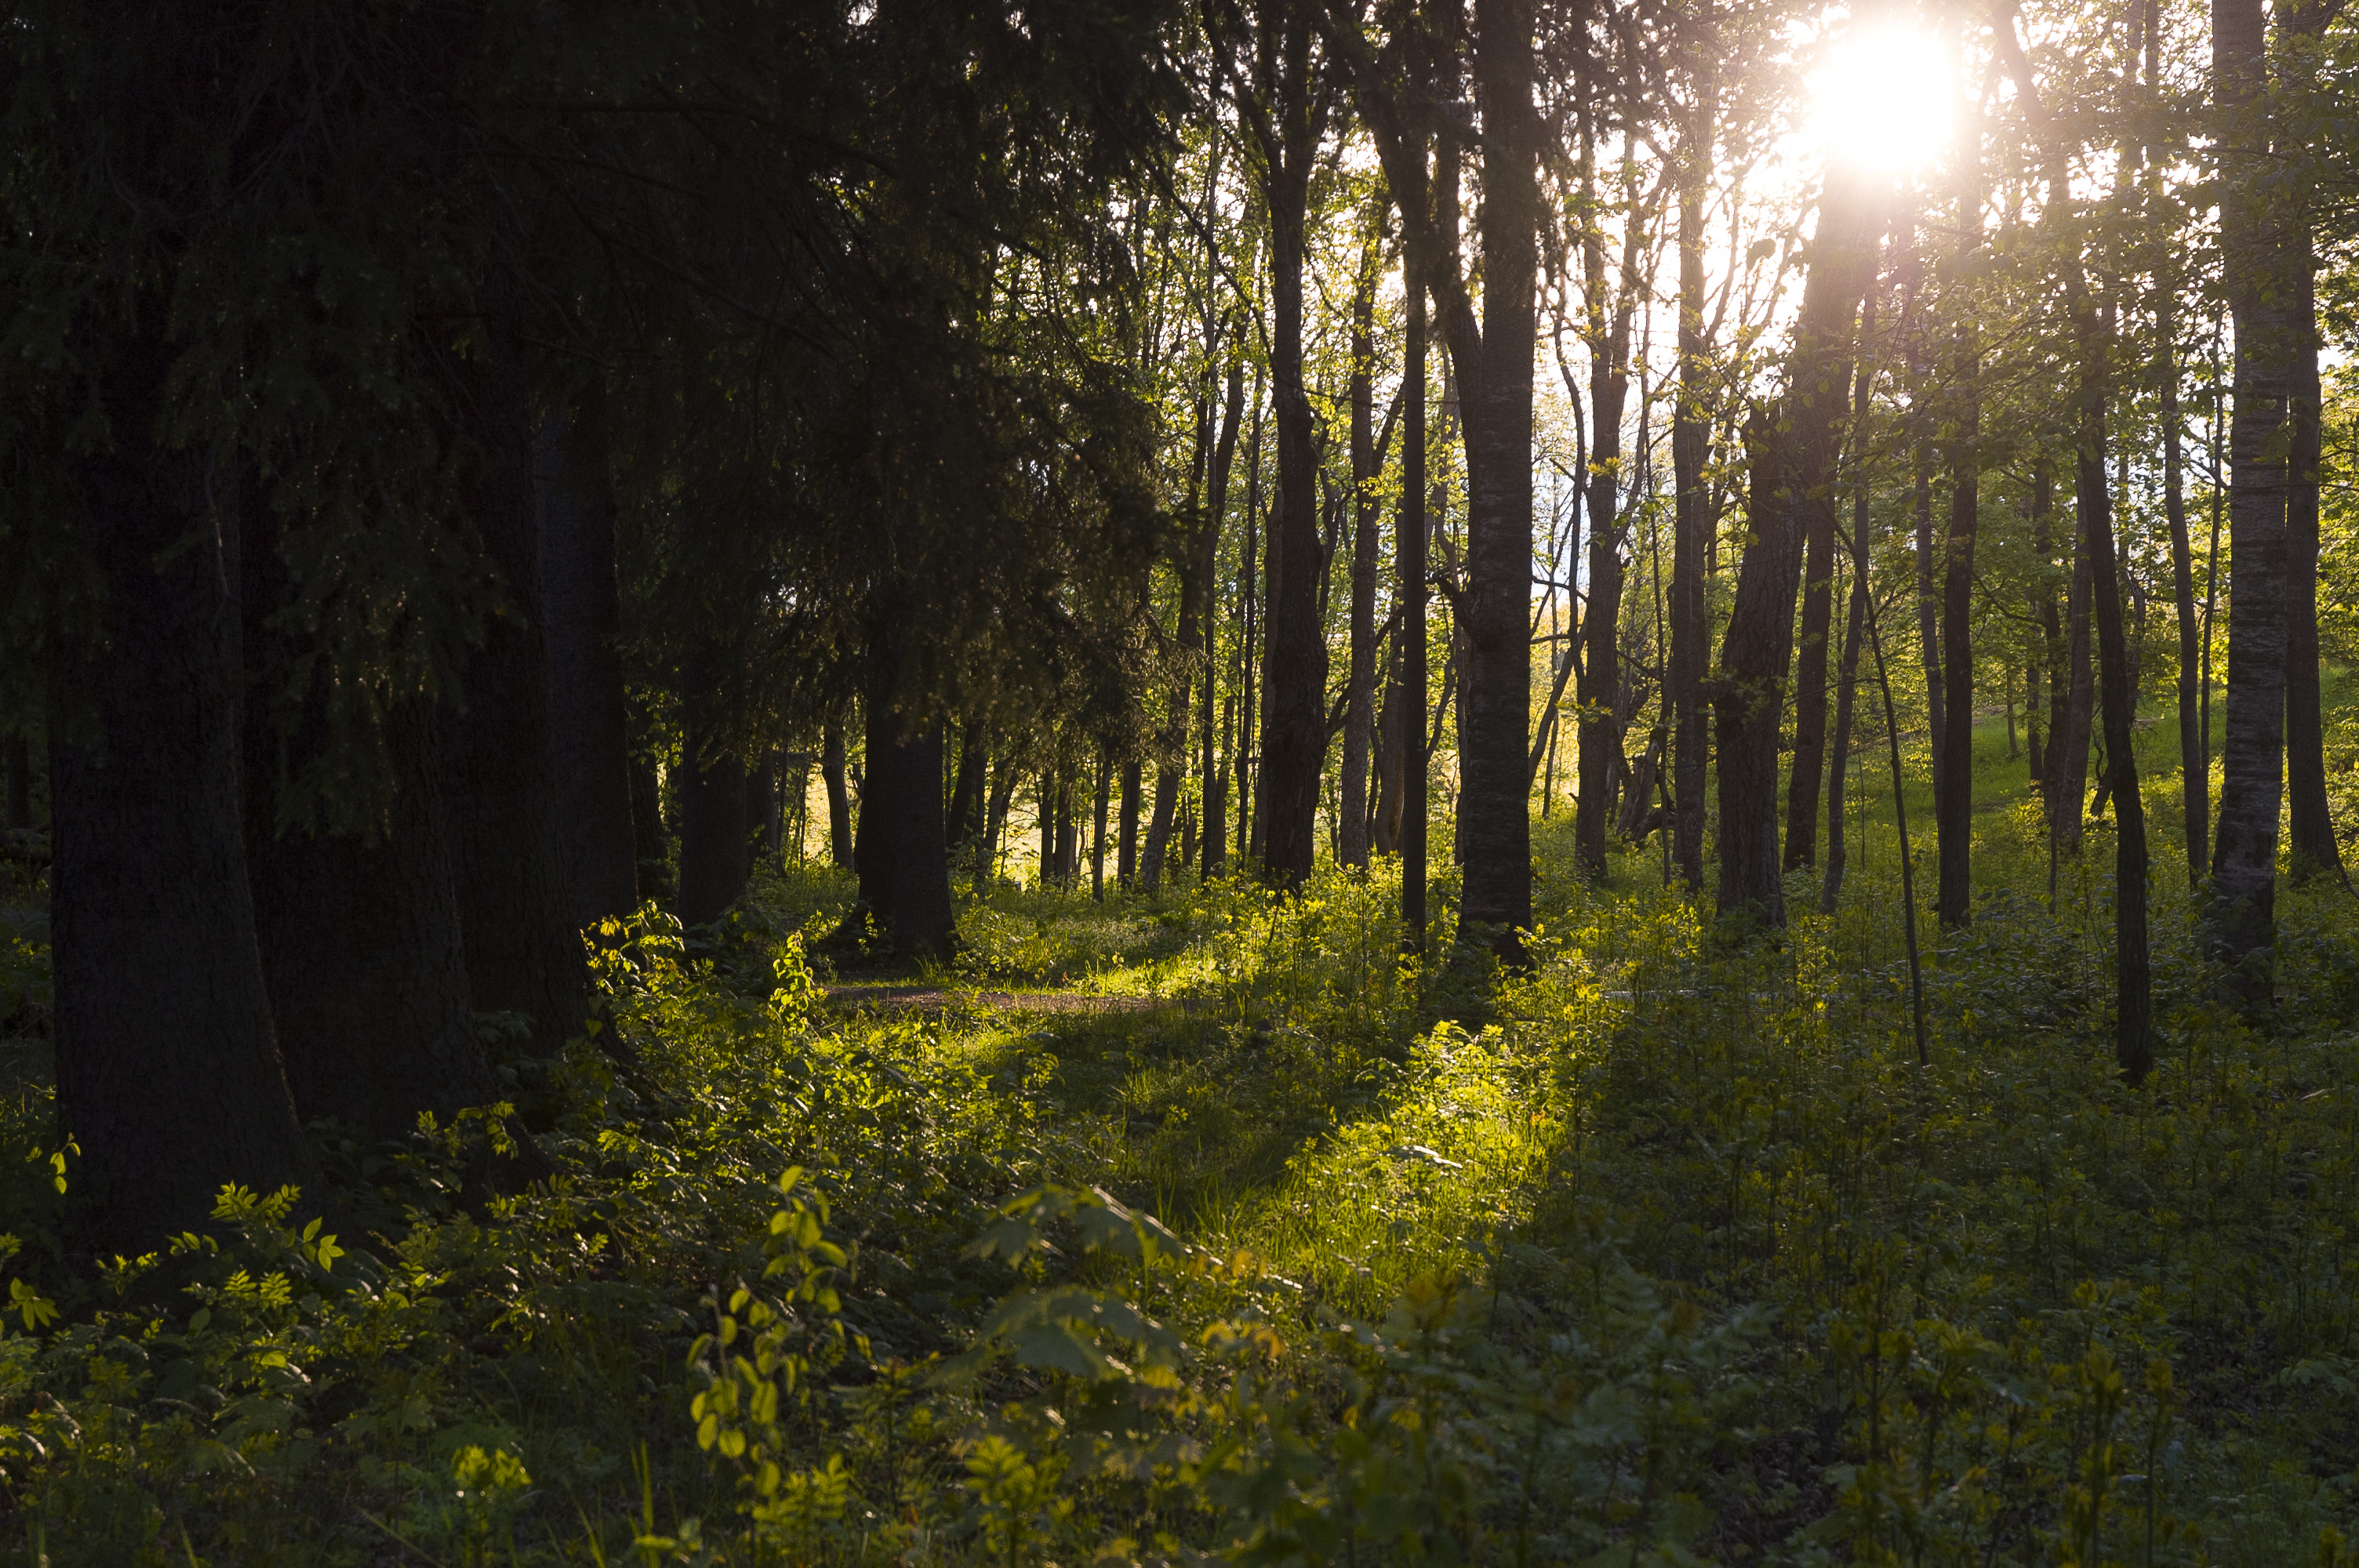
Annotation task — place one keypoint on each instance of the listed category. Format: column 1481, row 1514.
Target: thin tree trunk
column 839, row 795
column 2310, row 825
column 1838, row 759
column 1929, row 616
column 168, row 1072
column 2194, row 771
column 589, row 719
column 1360, row 683
column 1953, row 801
column 651, row 843
column 1599, row 666
column 2072, row 777
column 21, row 782
column 1408, row 544
column 1691, row 437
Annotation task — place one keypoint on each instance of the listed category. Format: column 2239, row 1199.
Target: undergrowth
column 1664, row 1252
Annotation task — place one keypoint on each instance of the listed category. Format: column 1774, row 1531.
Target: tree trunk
column 2072, row 776
column 1360, row 683
column 1692, row 526
column 1224, row 454
column 1794, row 472
column 169, row 1077
column 2263, row 300
column 589, row 722
column 1294, row 718
column 1953, row 801
column 2310, row 825
column 1494, row 382
column 1126, row 844
column 2194, row 769
column 1839, row 759
column 1098, row 839
column 1598, row 672
column 903, row 856
column 1408, row 544
column 2134, row 1047
column 1929, row 618
column 357, row 925
column 1811, row 691
column 964, row 823
column 516, row 914
column 711, row 787
column 762, row 810
column 839, row 795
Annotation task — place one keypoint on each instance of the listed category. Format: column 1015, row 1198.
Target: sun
column 1883, row 98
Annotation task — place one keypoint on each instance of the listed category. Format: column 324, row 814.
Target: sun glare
column 1883, row 98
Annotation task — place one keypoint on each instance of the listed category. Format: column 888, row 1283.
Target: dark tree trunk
column 1856, row 619
column 1294, row 718
column 2070, row 802
column 588, row 723
column 1811, row 691
column 995, row 820
column 1360, row 682
column 2263, row 300
column 904, row 856
column 1748, row 694
column 516, row 914
column 2309, row 827
column 1953, row 801
column 2134, row 1048
column 1846, row 702
column 1126, row 847
column 168, row 1073
column 1494, row 382
column 1098, row 839
column 965, row 823
column 711, row 787
column 1409, row 542
column 1216, row 515
column 839, row 795
column 1691, row 525
column 357, row 924
column 1598, row 671
column 1929, row 619
column 2194, row 769
column 1794, row 459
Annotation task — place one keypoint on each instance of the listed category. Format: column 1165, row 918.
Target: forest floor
column 1162, row 1226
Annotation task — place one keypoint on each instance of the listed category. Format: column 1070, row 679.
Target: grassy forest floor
column 1165, row 1226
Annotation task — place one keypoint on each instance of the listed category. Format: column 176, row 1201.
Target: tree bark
column 169, row 1076
column 1360, row 681
column 1929, row 618
column 1224, row 454
column 1409, row 543
column 1691, row 525
column 1598, row 672
column 581, row 604
column 2071, row 796
column 650, row 843
column 1126, row 862
column 357, row 925
column 1494, row 384
column 1953, row 802
column 1794, row 474
column 516, row 914
column 2310, row 825
column 2194, row 767
column 711, row 787
column 839, row 795
column 1848, row 676
column 1294, row 726
column 2241, row 922
column 21, row 782
column 903, row 856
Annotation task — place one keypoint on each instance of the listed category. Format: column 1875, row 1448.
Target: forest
column 1168, row 782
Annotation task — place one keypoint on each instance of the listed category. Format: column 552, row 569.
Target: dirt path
column 933, row 1001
